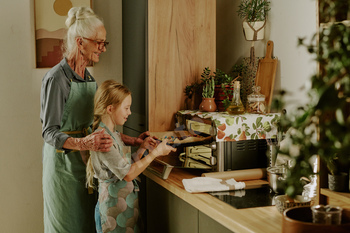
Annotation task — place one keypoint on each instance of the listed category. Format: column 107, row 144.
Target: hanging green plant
column 253, row 10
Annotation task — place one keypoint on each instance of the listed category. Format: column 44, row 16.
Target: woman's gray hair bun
column 78, row 13
column 81, row 22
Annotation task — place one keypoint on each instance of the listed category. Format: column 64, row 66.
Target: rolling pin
column 239, row 175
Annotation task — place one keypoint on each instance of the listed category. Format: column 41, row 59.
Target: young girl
column 116, row 170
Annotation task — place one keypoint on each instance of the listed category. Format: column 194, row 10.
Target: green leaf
column 258, row 121
column 230, row 121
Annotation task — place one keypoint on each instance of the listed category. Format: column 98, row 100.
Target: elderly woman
column 67, row 94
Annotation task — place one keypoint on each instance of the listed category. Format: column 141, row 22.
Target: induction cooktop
column 247, row 198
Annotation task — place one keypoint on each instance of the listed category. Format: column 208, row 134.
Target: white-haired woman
column 67, row 95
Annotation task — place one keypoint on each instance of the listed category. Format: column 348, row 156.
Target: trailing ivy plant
column 321, row 127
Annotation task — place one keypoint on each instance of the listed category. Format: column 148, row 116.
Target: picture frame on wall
column 50, row 29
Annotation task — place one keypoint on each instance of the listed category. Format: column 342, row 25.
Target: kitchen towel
column 208, row 184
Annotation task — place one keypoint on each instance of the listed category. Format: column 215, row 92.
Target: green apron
column 68, row 207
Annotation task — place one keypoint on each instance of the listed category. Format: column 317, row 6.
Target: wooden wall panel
column 181, row 42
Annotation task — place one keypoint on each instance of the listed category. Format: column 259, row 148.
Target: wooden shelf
column 340, row 196
column 326, row 25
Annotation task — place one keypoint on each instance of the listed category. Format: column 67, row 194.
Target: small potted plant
column 337, row 179
column 208, row 100
column 224, row 85
column 254, row 14
column 223, row 89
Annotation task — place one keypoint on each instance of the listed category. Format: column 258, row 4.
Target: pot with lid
column 276, row 178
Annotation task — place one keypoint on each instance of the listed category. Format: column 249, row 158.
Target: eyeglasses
column 100, row 43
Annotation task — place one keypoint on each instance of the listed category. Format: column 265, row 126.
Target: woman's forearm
column 71, row 144
column 131, row 141
column 97, row 141
column 128, row 140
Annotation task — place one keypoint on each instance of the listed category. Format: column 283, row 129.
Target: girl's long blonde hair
column 109, row 93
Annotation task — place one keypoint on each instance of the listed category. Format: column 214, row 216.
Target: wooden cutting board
column 265, row 76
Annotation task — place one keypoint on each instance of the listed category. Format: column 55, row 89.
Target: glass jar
column 256, row 102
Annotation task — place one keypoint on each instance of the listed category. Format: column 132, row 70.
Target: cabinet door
column 168, row 213
column 209, row 225
column 181, row 42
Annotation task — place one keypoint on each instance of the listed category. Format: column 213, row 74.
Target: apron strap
column 85, row 132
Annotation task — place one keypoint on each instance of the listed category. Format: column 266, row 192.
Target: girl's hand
column 163, row 149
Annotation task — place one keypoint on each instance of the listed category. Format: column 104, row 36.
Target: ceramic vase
column 207, row 105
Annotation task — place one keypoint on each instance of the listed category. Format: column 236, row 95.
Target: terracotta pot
column 207, row 105
column 299, row 219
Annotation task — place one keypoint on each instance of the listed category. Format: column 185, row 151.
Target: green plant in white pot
column 254, row 14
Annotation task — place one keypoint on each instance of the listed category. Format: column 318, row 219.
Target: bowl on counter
column 276, row 178
column 283, row 202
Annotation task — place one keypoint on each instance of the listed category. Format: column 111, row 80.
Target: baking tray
column 183, row 138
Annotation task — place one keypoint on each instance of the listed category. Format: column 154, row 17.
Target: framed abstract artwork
column 50, row 29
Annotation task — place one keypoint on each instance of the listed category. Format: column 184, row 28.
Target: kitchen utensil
column 182, row 138
column 265, row 76
column 276, row 178
column 274, row 145
column 239, row 175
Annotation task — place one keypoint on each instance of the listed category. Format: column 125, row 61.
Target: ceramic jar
column 207, row 105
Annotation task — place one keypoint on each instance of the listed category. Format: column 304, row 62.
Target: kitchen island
column 201, row 212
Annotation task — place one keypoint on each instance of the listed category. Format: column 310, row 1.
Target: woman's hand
column 149, row 143
column 139, row 140
column 97, row 141
column 135, row 141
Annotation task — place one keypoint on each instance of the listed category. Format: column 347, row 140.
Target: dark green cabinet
column 167, row 213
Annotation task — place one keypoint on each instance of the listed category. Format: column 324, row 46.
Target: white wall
column 20, row 157
column 288, row 20
column 21, row 142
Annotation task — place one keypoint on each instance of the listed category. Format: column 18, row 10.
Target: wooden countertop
column 261, row 219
